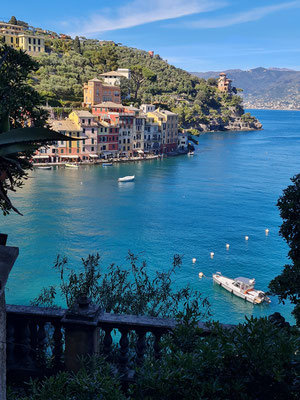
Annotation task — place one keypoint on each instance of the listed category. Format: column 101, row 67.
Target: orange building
column 95, row 92
column 224, row 84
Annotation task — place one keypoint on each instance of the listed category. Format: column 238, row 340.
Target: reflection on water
column 125, row 186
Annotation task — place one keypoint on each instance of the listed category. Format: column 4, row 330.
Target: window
column 29, row 40
column 77, row 150
column 62, row 150
column 83, row 142
column 113, row 146
column 128, row 148
column 77, row 134
column 92, row 148
column 89, row 122
column 128, row 140
column 33, row 48
column 62, row 142
column 11, row 39
column 70, row 151
column 93, row 130
column 92, row 141
column 82, row 121
column 83, row 130
column 39, row 49
column 33, row 41
column 104, row 147
column 101, row 129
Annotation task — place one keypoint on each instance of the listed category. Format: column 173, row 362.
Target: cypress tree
column 77, row 47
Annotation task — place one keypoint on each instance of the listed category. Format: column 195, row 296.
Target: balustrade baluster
column 33, row 340
column 107, row 342
column 123, row 357
column 140, row 346
column 58, row 346
column 22, row 343
column 41, row 343
column 157, row 336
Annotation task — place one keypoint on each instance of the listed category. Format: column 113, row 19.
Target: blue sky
column 197, row 35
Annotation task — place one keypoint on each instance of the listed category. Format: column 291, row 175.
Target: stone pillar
column 81, row 332
column 8, row 256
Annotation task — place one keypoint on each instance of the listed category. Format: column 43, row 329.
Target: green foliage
column 128, row 290
column 255, row 360
column 93, row 381
column 13, row 20
column 287, row 284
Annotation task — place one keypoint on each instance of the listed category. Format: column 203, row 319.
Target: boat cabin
column 244, row 283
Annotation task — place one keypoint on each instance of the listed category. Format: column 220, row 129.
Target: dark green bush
column 94, row 381
column 256, row 360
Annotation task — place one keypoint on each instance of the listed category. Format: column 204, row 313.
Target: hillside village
column 114, row 123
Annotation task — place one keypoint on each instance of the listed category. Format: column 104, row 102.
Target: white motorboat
column 68, row 165
column 241, row 287
column 108, row 164
column 45, row 167
column 127, row 179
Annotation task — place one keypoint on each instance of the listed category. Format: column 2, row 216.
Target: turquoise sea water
column 186, row 205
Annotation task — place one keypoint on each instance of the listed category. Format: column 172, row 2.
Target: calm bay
column 186, row 205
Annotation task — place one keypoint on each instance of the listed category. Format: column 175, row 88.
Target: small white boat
column 107, row 164
column 190, row 153
column 71, row 165
column 127, row 179
column 45, row 167
column 241, row 287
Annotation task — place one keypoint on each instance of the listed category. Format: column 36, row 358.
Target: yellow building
column 15, row 36
column 168, row 127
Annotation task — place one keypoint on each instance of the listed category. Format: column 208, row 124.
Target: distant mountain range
column 277, row 88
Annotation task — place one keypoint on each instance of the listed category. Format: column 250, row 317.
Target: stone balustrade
column 41, row 341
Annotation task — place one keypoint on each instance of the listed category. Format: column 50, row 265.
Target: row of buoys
column 227, row 248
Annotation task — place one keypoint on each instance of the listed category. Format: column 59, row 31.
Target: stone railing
column 41, row 341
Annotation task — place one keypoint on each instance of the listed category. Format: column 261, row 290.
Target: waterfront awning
column 40, row 156
column 140, row 151
column 69, row 156
column 93, row 155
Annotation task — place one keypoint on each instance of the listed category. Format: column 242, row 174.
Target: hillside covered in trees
column 68, row 64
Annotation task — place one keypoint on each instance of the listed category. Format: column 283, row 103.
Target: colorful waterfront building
column 152, row 137
column 108, row 138
column 183, row 142
column 95, row 92
column 86, row 122
column 61, row 151
column 123, row 117
column 168, row 127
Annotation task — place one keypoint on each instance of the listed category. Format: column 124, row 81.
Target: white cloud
column 246, row 16
column 139, row 12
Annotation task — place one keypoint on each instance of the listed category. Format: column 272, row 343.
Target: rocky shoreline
column 232, row 124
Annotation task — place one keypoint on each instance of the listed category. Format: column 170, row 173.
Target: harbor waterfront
column 191, row 205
